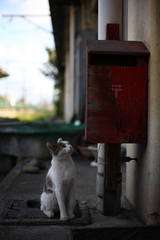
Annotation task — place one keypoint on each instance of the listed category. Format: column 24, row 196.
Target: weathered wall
column 143, row 177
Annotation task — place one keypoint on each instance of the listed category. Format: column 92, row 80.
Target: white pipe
column 109, row 11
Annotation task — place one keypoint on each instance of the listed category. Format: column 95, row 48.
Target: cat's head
column 61, row 149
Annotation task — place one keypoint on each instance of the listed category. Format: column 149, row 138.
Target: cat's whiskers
column 77, row 153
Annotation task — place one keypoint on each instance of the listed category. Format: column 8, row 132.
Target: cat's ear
column 51, row 146
column 60, row 140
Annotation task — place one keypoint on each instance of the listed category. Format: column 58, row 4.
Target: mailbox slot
column 112, row 60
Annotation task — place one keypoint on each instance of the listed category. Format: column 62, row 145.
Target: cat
column 59, row 188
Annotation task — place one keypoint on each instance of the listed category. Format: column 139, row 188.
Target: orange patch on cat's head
column 54, row 148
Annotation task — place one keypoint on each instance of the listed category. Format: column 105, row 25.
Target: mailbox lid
column 117, row 47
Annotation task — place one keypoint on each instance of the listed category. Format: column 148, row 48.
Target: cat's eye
column 63, row 146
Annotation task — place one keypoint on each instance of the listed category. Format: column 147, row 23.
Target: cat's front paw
column 64, row 218
column 49, row 214
column 71, row 216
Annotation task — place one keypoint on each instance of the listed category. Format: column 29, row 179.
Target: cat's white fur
column 61, row 193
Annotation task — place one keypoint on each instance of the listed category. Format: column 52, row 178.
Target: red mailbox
column 116, row 92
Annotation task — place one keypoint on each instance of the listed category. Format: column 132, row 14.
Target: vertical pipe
column 109, row 11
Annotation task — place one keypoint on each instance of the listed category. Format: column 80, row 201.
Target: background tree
column 50, row 70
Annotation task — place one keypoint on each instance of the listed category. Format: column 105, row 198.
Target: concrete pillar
column 143, row 177
column 69, row 94
column 67, row 88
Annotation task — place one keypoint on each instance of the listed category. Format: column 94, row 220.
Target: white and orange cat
column 59, row 188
